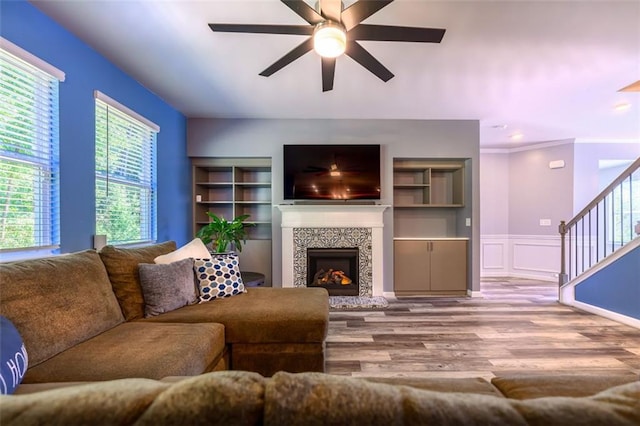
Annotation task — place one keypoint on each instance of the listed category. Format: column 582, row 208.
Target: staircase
column 600, row 252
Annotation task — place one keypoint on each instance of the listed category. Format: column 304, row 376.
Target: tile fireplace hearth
column 343, row 226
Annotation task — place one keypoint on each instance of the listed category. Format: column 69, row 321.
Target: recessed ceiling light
column 516, row 136
column 622, row 106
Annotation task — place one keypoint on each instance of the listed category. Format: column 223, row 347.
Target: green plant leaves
column 220, row 233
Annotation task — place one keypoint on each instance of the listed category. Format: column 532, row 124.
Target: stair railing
column 607, row 223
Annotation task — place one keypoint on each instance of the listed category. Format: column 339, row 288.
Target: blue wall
column 86, row 71
column 616, row 287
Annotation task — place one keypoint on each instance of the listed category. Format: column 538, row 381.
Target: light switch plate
column 545, row 222
column 468, row 221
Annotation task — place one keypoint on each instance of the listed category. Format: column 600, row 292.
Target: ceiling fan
column 333, row 31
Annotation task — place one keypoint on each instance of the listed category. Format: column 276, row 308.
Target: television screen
column 331, row 172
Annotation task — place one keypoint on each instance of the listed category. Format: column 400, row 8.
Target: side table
column 252, row 279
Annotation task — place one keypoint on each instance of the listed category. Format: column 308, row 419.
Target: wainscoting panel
column 539, row 255
column 494, row 256
column 521, row 256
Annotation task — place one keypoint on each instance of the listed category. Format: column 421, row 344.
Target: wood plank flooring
column 517, row 326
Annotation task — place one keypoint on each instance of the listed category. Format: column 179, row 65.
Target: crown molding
column 530, row 147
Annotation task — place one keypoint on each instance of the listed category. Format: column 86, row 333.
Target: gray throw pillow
column 166, row 287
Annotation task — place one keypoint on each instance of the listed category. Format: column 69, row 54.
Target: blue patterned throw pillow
column 13, row 357
column 218, row 277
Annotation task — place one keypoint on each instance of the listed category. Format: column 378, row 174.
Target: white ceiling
column 550, row 70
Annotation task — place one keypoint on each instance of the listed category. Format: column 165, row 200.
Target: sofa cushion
column 13, row 357
column 195, row 249
column 297, row 399
column 216, row 399
column 168, row 286
column 619, row 405
column 58, row 302
column 122, row 267
column 291, row 398
column 136, row 349
column 238, row 397
column 263, row 315
column 537, row 386
column 218, row 277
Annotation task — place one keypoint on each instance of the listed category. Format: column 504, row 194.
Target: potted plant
column 220, row 233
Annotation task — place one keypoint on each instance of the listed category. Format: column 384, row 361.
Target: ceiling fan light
column 329, row 40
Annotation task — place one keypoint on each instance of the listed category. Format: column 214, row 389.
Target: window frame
column 104, row 107
column 44, row 156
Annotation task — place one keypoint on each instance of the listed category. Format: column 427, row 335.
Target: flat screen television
column 332, row 172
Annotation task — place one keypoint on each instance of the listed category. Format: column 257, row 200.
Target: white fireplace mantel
column 333, row 216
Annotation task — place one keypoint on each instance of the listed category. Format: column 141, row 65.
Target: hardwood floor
column 517, row 326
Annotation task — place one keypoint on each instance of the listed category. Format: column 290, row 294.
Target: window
column 625, row 206
column 29, row 173
column 622, row 205
column 125, row 173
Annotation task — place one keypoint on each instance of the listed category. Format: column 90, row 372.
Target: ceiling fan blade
column 392, row 33
column 262, row 29
column 361, row 10
column 331, row 9
column 328, row 72
column 293, row 54
column 305, row 11
column 364, row 58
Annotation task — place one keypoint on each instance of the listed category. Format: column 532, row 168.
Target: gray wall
column 518, row 188
column 538, row 192
column 398, row 138
column 494, row 194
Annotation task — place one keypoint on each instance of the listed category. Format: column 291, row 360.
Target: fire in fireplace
column 331, row 277
column 335, row 269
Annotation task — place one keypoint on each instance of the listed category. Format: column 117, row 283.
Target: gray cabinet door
column 411, row 267
column 448, row 265
column 430, row 267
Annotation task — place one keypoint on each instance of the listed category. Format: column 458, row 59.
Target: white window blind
column 29, row 171
column 125, row 174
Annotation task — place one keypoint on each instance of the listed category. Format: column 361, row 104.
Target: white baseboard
column 472, row 293
column 633, row 322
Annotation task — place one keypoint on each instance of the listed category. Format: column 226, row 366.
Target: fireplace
column 333, row 226
column 335, row 269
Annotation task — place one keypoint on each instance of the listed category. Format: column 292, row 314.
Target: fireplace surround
column 333, row 226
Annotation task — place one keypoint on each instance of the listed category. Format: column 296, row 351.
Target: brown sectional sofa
column 244, row 398
column 81, row 318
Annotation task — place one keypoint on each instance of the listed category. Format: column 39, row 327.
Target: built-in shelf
column 422, row 183
column 429, row 259
column 231, row 187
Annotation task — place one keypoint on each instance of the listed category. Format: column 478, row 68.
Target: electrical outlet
column 545, row 222
column 467, row 221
